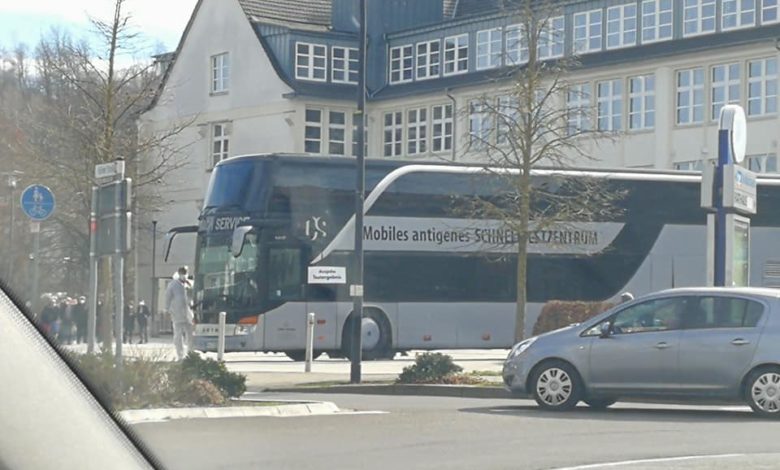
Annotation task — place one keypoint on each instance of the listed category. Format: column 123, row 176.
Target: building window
column 641, row 102
column 690, row 96
column 337, row 130
column 428, row 59
column 313, row 131
column 488, row 48
column 578, row 108
column 220, row 142
column 737, row 14
column 220, row 73
column 587, row 31
column 762, row 87
column 416, row 131
column 401, row 64
column 479, row 125
column 697, row 165
column 394, row 129
column 551, row 39
column 769, row 11
column 456, row 54
column 698, row 17
column 516, row 46
column 311, row 62
column 507, row 118
column 726, row 86
column 762, row 163
column 621, row 26
column 345, row 65
column 610, row 105
column 656, row 20
column 442, row 128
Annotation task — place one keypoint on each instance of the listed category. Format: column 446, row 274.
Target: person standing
column 66, row 321
column 128, row 321
column 80, row 317
column 142, row 316
column 178, row 305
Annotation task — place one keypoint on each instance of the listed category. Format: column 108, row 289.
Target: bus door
column 321, row 300
column 284, row 281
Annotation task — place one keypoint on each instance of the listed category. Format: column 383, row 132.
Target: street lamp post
column 154, row 278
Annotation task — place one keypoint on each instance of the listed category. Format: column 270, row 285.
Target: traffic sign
column 37, row 202
column 110, row 170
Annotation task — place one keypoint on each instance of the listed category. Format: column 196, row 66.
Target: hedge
column 558, row 314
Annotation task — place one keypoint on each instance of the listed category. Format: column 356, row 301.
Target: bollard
column 221, row 337
column 309, row 341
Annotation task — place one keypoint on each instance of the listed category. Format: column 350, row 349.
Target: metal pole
column 93, row 277
column 12, row 186
column 119, row 270
column 221, row 337
column 724, row 158
column 36, row 263
column 360, row 191
column 309, row 341
column 154, row 278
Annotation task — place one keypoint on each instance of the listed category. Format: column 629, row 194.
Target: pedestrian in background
column 142, row 317
column 80, row 317
column 66, row 320
column 48, row 315
column 128, row 321
column 177, row 303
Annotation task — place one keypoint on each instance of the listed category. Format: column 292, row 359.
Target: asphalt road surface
column 457, row 433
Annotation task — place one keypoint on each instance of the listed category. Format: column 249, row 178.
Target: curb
column 462, row 391
column 280, row 411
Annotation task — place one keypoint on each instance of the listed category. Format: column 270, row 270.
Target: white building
column 259, row 76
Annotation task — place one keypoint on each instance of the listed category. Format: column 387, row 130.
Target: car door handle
column 663, row 345
column 740, row 342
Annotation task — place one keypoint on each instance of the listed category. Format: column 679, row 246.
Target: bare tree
column 524, row 123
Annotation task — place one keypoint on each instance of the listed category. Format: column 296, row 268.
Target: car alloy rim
column 766, row 392
column 554, row 386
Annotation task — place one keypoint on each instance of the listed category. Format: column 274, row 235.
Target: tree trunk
column 522, row 254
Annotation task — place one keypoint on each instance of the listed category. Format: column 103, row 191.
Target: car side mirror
column 605, row 330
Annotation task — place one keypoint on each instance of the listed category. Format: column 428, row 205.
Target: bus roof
column 619, row 173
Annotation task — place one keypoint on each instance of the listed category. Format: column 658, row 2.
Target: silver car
column 699, row 343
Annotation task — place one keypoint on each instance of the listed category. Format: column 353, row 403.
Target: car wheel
column 556, row 386
column 763, row 392
column 600, row 403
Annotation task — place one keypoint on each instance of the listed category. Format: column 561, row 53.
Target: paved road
column 431, row 432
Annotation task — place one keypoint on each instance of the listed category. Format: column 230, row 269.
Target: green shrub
column 194, row 367
column 429, row 368
column 198, row 392
column 558, row 314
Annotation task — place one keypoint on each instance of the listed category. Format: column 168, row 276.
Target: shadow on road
column 669, row 415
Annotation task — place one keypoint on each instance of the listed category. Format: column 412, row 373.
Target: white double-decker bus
column 434, row 277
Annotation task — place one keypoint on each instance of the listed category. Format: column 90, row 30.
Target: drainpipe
column 454, row 122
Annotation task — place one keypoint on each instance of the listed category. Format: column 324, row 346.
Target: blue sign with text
column 37, row 202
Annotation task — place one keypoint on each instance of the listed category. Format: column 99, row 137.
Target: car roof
column 751, row 291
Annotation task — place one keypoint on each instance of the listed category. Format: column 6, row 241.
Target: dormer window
column 311, row 62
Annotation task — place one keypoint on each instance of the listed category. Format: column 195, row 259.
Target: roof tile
column 311, row 12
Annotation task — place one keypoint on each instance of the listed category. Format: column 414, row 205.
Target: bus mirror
column 172, row 234
column 239, row 236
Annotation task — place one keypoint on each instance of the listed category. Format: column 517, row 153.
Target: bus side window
column 285, row 274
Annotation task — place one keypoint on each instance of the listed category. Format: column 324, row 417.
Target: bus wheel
column 376, row 337
column 300, row 356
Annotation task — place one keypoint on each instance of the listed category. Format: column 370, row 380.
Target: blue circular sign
column 37, row 202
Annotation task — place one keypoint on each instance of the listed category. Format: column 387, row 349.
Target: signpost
column 38, row 203
column 729, row 192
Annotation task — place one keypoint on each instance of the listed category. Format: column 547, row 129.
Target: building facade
column 255, row 76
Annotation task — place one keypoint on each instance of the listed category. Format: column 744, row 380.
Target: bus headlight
column 521, row 347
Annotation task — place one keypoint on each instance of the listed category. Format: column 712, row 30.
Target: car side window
column 653, row 315
column 721, row 312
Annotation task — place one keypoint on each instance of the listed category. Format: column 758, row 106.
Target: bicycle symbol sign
column 37, row 202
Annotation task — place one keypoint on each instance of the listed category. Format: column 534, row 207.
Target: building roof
column 301, row 12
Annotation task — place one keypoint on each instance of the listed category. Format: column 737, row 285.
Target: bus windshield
column 223, row 281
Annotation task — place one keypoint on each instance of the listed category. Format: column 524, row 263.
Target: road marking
column 651, row 461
